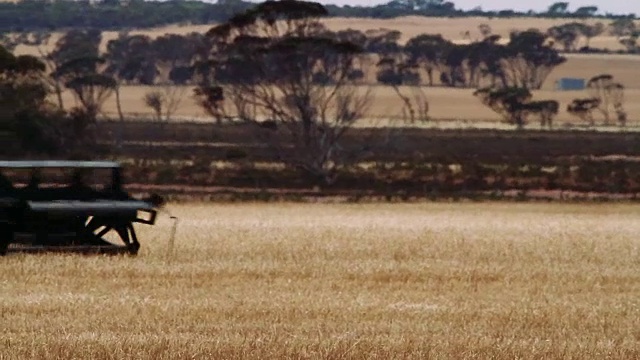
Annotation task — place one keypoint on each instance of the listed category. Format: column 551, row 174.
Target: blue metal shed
column 565, row 84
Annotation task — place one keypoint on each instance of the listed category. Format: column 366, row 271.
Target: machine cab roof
column 60, row 179
column 42, row 164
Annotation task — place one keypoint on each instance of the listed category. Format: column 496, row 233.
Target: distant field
column 379, row 281
column 453, row 29
column 445, row 103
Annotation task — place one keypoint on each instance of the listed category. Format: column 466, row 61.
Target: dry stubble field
column 337, row 281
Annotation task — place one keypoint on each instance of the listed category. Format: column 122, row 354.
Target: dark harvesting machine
column 69, row 206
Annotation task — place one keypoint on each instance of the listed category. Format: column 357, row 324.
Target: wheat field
column 340, row 281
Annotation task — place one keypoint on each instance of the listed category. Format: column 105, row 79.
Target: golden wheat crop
column 331, row 281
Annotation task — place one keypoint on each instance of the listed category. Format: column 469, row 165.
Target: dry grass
column 342, row 281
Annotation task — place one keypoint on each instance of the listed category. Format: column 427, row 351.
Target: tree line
column 276, row 67
column 29, row 15
column 525, row 60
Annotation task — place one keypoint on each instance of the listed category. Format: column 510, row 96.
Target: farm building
column 566, row 84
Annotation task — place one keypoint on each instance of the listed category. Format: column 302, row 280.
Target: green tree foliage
column 72, row 45
column 77, row 44
column 383, row 42
column 83, row 74
column 592, row 31
column 25, row 114
column 528, row 59
column 544, row 110
column 558, row 8
column 568, row 34
column 515, row 105
column 110, row 15
column 525, row 61
column 426, row 51
column 396, row 71
column 583, row 109
column 631, row 42
column 131, row 59
column 28, row 15
column 623, row 27
column 90, row 87
column 586, row 11
column 506, row 101
column 139, row 59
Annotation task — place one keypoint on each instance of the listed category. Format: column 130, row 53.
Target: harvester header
column 61, row 206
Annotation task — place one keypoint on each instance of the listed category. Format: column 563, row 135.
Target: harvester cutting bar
column 118, row 208
column 97, row 207
column 58, row 164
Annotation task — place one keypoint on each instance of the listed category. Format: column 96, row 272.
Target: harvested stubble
column 342, row 281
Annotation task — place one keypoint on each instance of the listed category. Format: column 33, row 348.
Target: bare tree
column 226, row 105
column 422, row 103
column 630, row 42
column 8, row 42
column 415, row 107
column 622, row 27
column 592, row 31
column 211, row 99
column 583, row 109
column 281, row 61
column 398, row 71
column 609, row 93
column 485, row 30
column 155, row 101
column 165, row 102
